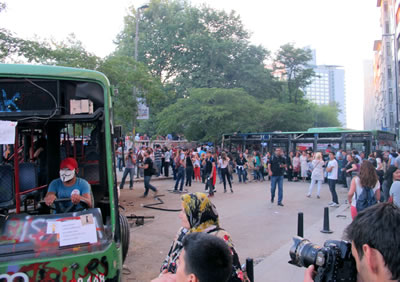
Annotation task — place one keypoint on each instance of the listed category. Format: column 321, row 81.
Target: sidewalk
column 275, row 268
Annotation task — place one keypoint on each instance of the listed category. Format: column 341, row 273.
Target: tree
column 190, row 47
column 326, row 115
column 293, row 63
column 209, row 112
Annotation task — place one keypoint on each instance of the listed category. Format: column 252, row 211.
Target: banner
column 143, row 109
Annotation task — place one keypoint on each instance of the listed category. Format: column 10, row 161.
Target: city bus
column 315, row 139
column 47, row 114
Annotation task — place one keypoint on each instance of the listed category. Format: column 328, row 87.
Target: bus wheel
column 125, row 235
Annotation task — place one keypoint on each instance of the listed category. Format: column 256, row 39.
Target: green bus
column 316, row 139
column 47, row 114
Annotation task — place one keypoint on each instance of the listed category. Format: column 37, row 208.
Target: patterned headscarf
column 200, row 212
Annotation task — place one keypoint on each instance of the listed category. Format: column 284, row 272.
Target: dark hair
column 378, row 226
column 389, row 175
column 207, row 257
column 368, row 176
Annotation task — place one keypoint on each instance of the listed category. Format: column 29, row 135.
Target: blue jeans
column 279, row 180
column 119, row 164
column 148, row 186
column 180, row 176
column 131, row 172
column 241, row 175
column 158, row 165
column 332, row 188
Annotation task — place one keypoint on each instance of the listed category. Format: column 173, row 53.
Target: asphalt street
column 260, row 229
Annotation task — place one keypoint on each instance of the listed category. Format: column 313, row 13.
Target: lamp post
column 137, row 28
column 138, row 10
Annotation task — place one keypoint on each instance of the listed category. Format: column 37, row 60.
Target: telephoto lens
column 333, row 262
column 304, row 253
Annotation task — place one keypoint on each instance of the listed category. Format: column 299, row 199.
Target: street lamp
column 137, row 28
column 136, row 59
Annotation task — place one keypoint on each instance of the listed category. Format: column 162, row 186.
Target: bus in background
column 49, row 114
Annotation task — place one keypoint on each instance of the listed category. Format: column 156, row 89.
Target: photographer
column 375, row 240
column 129, row 169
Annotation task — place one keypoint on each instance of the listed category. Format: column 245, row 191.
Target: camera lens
column 304, row 253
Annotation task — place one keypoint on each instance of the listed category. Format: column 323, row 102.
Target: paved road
column 260, row 230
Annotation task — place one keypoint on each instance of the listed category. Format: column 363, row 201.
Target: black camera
column 333, row 262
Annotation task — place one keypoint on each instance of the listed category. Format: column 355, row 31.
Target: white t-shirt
column 395, row 192
column 334, row 172
column 359, row 190
column 223, row 164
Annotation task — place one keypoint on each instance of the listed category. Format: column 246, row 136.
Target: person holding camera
column 129, row 169
column 276, row 168
column 375, row 244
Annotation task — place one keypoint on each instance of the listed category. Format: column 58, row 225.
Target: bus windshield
column 53, row 120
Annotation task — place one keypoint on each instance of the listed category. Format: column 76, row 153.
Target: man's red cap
column 69, row 163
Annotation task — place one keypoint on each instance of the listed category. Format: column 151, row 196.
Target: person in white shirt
column 332, row 170
column 317, row 174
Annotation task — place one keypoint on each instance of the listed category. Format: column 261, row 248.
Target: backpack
column 366, row 199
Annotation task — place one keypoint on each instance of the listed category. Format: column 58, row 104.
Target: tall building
column 328, row 87
column 369, row 97
column 384, row 69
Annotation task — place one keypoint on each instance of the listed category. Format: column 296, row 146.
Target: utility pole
column 134, row 90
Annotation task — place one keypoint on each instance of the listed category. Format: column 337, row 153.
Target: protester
column 289, row 164
column 296, row 166
column 367, row 179
column 350, row 169
column 303, row 165
column 375, row 240
column 180, row 165
column 69, row 186
column 157, row 159
column 204, row 257
column 241, row 162
column 167, row 161
column 332, row 170
column 224, row 163
column 317, row 175
column 210, row 173
column 200, row 215
column 394, row 192
column 189, row 168
column 276, row 168
column 148, row 172
column 196, row 164
column 129, row 169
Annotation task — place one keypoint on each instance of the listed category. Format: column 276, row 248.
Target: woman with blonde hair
column 317, row 174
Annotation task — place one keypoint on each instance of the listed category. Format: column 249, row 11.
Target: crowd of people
column 370, row 179
column 212, row 165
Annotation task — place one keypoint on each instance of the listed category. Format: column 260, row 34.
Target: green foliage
column 326, row 116
column 209, row 112
column 198, row 72
column 190, row 47
column 294, row 64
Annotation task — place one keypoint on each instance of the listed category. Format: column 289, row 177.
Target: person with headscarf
column 198, row 214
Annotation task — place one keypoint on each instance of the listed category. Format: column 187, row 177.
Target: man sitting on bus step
column 69, row 186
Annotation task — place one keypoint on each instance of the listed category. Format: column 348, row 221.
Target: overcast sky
column 341, row 31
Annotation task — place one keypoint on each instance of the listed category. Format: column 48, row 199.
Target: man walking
column 332, row 170
column 276, row 168
column 148, row 172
